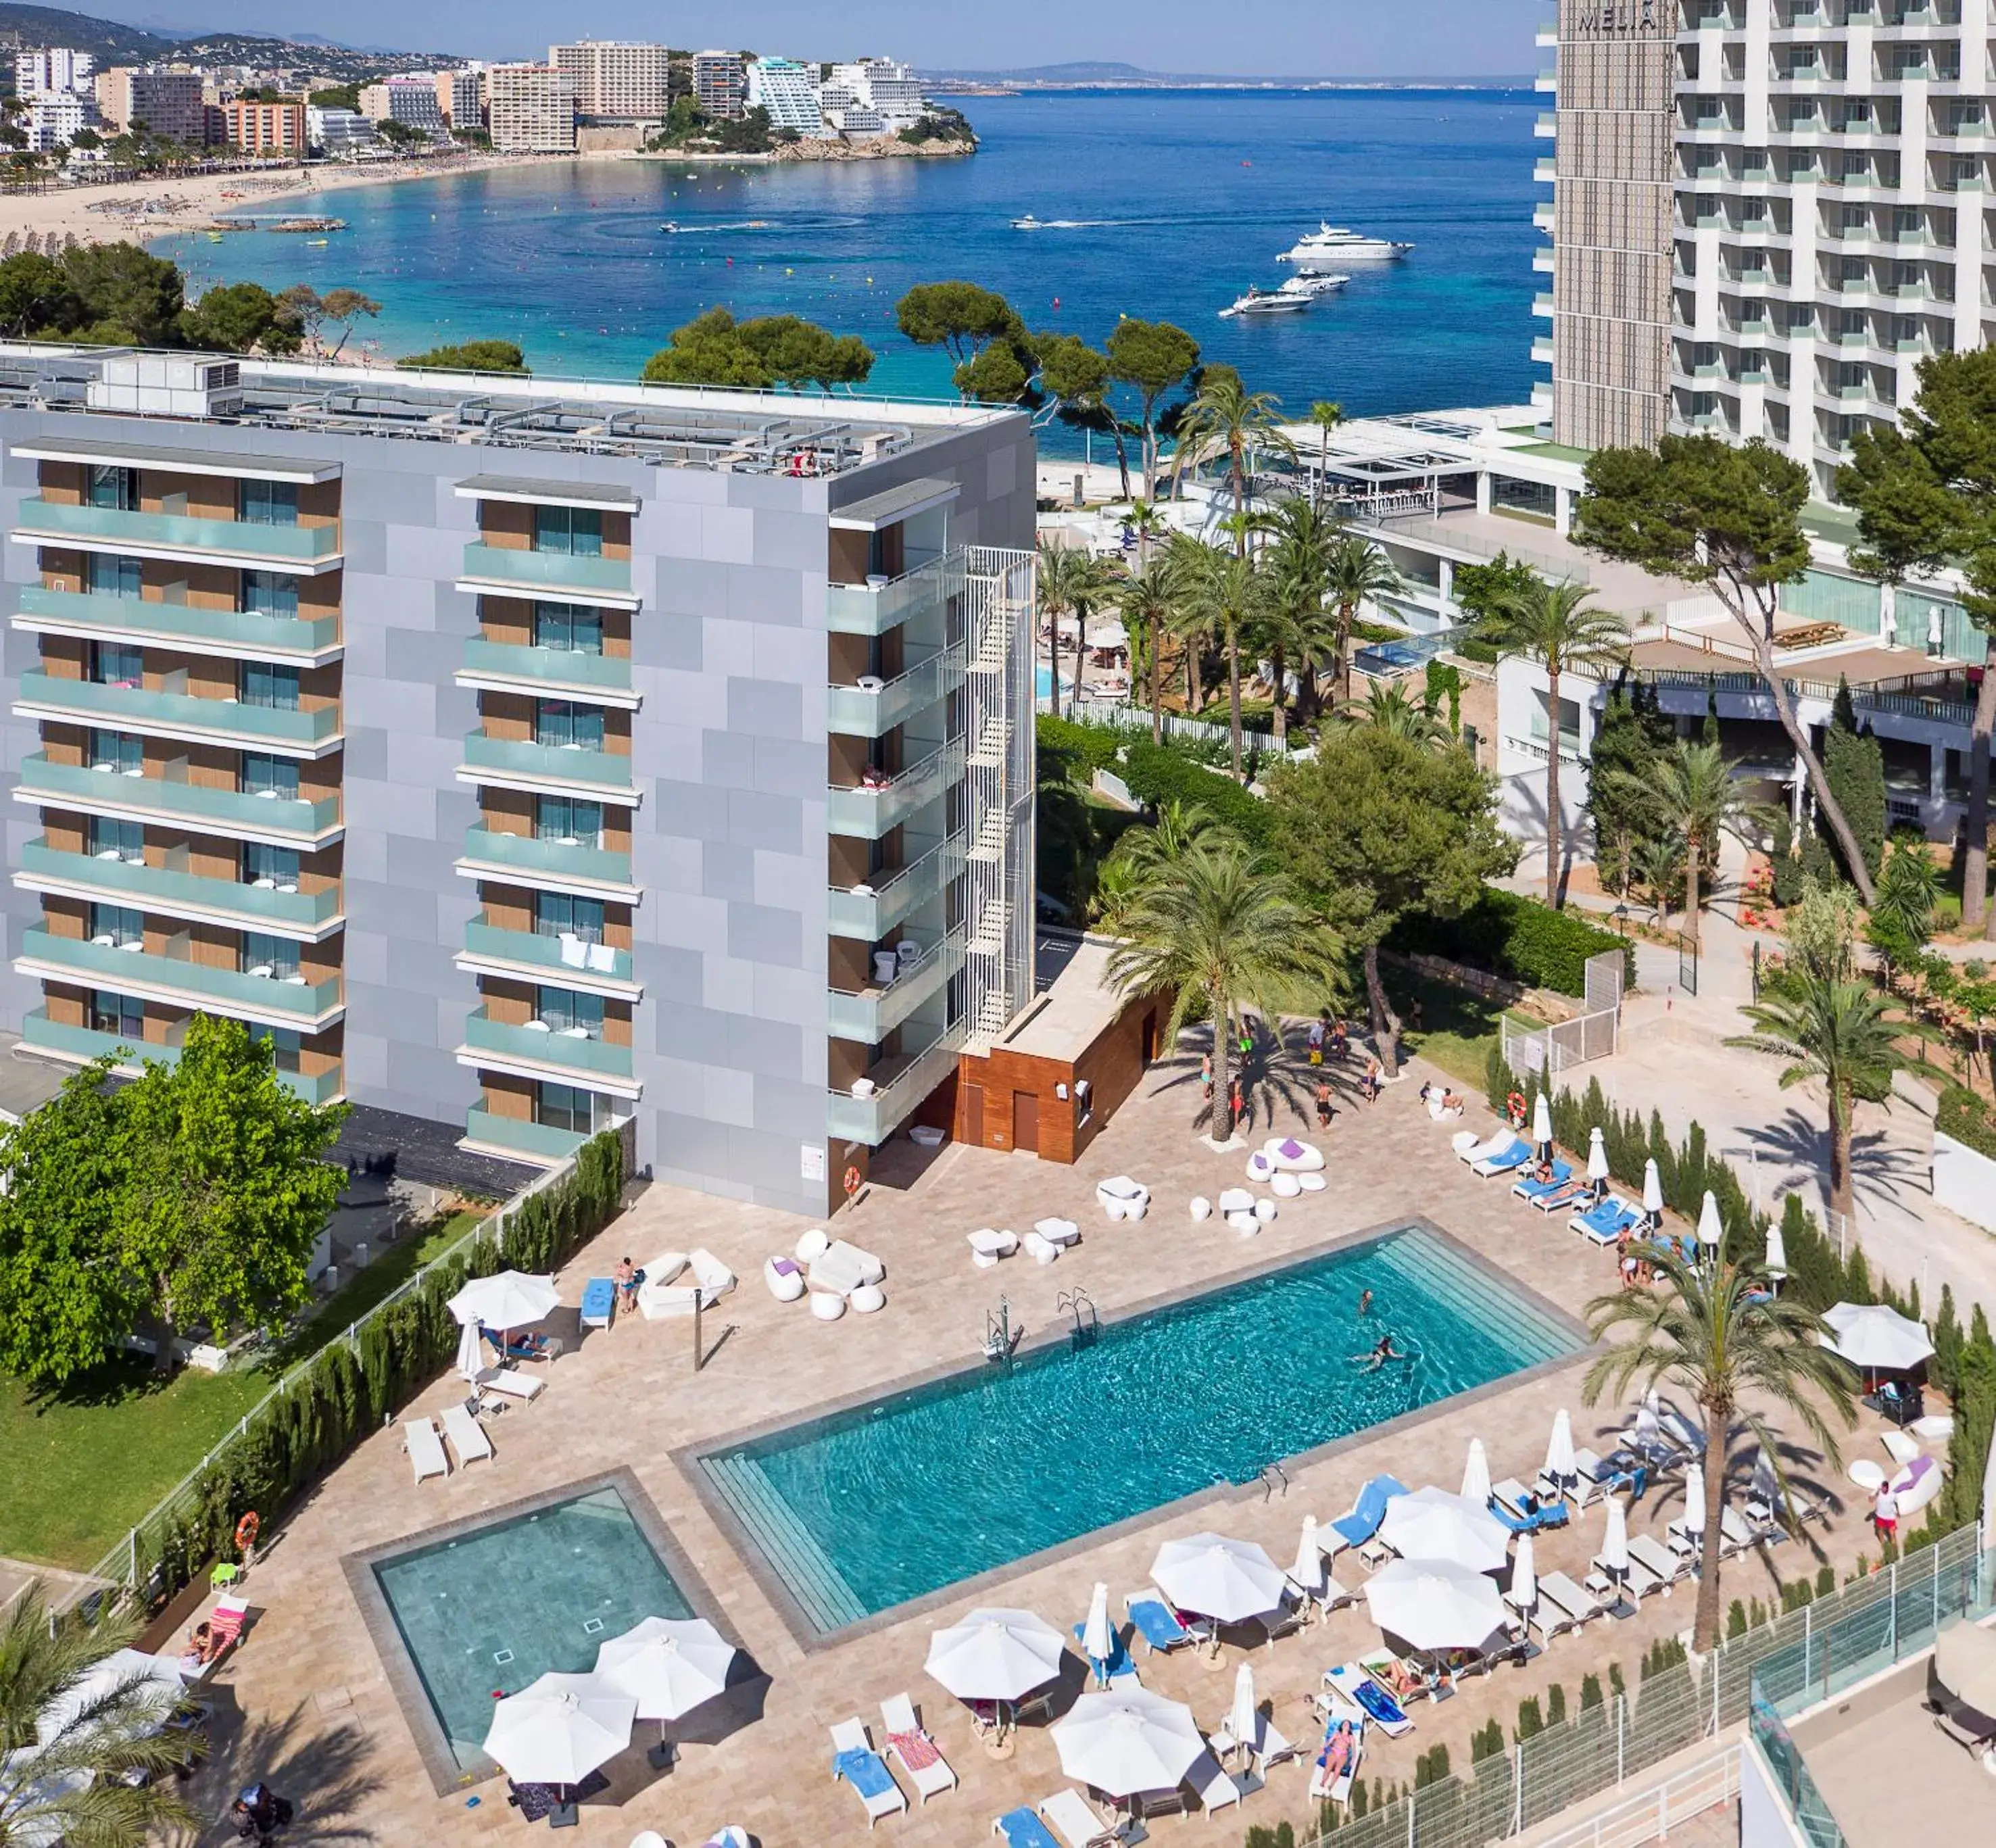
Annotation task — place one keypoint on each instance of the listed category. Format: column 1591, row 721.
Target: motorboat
column 1329, row 244
column 1029, row 223
column 1309, row 285
column 1259, row 301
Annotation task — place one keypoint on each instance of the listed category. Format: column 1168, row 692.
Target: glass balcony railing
column 556, row 956
column 873, row 710
column 289, row 1003
column 64, row 523
column 545, row 669
column 159, row 888
column 225, row 811
column 565, row 765
column 867, row 914
column 873, row 1118
column 871, row 1016
column 533, row 573
column 536, row 862
column 176, row 715
column 538, row 1046
column 79, row 613
column 870, row 812
column 39, row 1034
column 529, row 1141
column 872, row 609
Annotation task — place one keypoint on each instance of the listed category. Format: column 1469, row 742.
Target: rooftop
column 1076, row 1000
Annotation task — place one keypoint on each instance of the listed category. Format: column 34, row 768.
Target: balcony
column 239, row 635
column 873, row 1118
column 536, row 1051
column 230, row 813
column 307, row 1005
column 1542, row 353
column 574, row 576
column 1543, row 218
column 290, row 731
column 307, row 549
column 1545, row 172
column 79, row 1045
column 873, row 711
column 1546, row 127
column 516, row 1140
column 870, row 813
column 593, row 968
column 506, row 667
column 872, row 609
column 867, row 914
column 520, row 764
column 309, row 915
column 545, row 866
column 1543, row 305
column 872, row 1014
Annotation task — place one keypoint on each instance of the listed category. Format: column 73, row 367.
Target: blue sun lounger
column 1022, row 1828
column 1606, row 1223
column 1157, row 1622
column 1515, row 1156
column 1356, row 1528
column 1538, row 1190
column 1118, row 1667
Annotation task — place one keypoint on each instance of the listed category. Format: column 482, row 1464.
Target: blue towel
column 865, row 1772
column 1356, row 1528
column 1515, row 1156
column 599, row 1297
column 1118, row 1663
column 1157, row 1626
column 1024, row 1829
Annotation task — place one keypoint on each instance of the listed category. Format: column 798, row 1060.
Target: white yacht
column 1329, row 244
column 1259, row 301
column 1309, row 285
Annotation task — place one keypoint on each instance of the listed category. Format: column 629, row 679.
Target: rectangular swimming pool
column 869, row 1507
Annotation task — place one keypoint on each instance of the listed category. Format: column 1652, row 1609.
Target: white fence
column 1651, row 1815
column 1595, row 1034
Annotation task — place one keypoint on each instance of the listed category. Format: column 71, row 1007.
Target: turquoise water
column 496, row 1608
column 1180, row 198
column 865, row 1509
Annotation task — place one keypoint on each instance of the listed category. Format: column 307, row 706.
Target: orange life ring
column 1516, row 1108
column 247, row 1530
column 851, row 1182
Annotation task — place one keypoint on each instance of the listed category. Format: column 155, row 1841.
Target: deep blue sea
column 1184, row 198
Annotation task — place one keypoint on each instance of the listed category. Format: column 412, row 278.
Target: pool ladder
column 1271, row 1474
column 998, row 1335
column 1078, row 1303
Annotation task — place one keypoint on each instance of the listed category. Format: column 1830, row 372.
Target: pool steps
column 804, row 1567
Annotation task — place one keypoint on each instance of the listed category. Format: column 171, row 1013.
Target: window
column 270, row 867
column 110, row 840
column 576, row 530
column 568, row 727
column 109, row 486
column 116, row 664
column 277, row 777
column 268, row 503
column 568, row 627
column 118, row 750
column 107, row 575
column 558, row 914
column 284, row 1043
column 117, row 1014
column 562, row 1010
column 267, row 594
column 563, row 1107
column 565, row 818
column 117, row 927
column 1537, row 500
column 1569, row 721
column 274, row 957
column 259, row 683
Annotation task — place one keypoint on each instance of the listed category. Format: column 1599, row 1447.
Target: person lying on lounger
column 1335, row 1759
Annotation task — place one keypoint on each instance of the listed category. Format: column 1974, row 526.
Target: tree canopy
column 776, row 349
column 468, row 356
column 234, row 316
column 1152, row 358
column 958, row 315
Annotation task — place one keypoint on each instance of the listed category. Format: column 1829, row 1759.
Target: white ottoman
column 1237, row 1200
column 1245, row 1224
column 826, row 1306
column 1116, row 1209
column 1136, row 1209
column 785, row 1279
column 1259, row 1166
column 867, row 1299
column 812, row 1245
column 1312, row 1183
column 1202, row 1207
column 1041, row 1250
column 1285, row 1187
column 1265, row 1210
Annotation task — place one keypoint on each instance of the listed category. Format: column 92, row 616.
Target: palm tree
column 1389, row 708
column 1225, row 593
column 1358, row 572
column 70, row 1784
column 1296, row 559
column 1069, row 578
column 1223, row 930
column 1326, row 416
column 1144, row 520
column 1556, row 626
column 1658, row 865
column 1692, row 793
column 1718, row 1332
column 1835, row 1030
column 1225, row 419
column 1148, row 603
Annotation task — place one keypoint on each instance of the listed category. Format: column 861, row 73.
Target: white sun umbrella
column 1227, row 1580
column 1241, row 1717
column 1777, row 1254
column 1098, row 1640
column 559, row 1728
column 1128, row 1740
column 1542, row 1122
column 1615, row 1542
column 1561, row 1468
column 1597, row 1156
column 1433, row 1524
column 996, row 1655
column 152, row 1685
column 1871, row 1336
column 1476, row 1476
column 669, row 1666
column 31, row 1819
column 1693, row 1513
column 1653, row 1193
column 1711, row 1230
column 1524, row 1594
column 470, row 1360
column 507, row 1300
column 1308, row 1571
column 1434, row 1604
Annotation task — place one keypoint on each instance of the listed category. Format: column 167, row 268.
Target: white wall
column 1964, row 1181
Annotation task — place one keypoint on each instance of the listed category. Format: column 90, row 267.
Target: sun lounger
column 225, row 1624
column 1404, row 1682
column 1286, row 1621
column 525, row 1346
column 1604, row 1224
column 661, row 1294
column 425, row 1448
column 1335, row 1787
column 1504, row 1162
column 1372, row 1700
column 509, row 1384
column 1474, row 1152
column 1355, row 1529
column 599, row 1301
column 1022, row 1828
column 1523, row 1511
column 1972, row 1731
column 1557, row 1199
column 1575, row 1607
column 1072, row 1817
column 470, row 1442
column 1638, row 1583
column 1216, row 1786
column 854, row 1760
column 1667, row 1566
column 1118, row 1667
column 1158, row 1623
column 1532, row 1190
column 918, row 1754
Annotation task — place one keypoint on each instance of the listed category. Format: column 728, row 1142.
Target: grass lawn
column 1458, row 1030
column 78, row 1467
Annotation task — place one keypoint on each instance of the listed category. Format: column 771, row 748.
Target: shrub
column 1736, row 1620
column 1487, row 1742
column 1590, row 1691
column 468, row 356
column 1967, row 1118
column 1431, row 1768
column 1509, row 935
column 1615, row 1683
column 1156, row 775
column 1531, row 1722
column 1555, row 1705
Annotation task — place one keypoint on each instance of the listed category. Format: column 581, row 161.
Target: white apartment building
column 411, row 101
column 52, row 121
column 883, row 85
column 460, row 96
column 52, row 71
column 789, row 91
column 530, row 108
column 614, row 79
column 334, row 133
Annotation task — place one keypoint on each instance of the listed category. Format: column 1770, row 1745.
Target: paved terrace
column 317, row 1714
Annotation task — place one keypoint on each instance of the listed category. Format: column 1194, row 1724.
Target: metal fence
column 1650, row 1816
column 1545, row 1052
column 1119, row 715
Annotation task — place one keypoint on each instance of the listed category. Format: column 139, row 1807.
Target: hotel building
column 265, row 127
column 615, row 80
column 789, row 91
column 530, row 108
column 169, row 102
column 460, row 96
column 521, row 756
column 411, row 101
column 721, row 84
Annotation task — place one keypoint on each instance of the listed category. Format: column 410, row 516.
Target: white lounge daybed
column 842, row 1268
column 425, row 1448
column 659, row 1295
column 1122, row 1198
column 1286, row 1155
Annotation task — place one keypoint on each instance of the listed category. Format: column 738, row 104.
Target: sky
column 1295, row 38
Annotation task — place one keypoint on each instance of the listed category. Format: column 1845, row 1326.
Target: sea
column 1165, row 204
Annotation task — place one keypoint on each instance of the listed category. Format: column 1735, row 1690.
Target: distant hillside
column 30, row 27
column 111, row 43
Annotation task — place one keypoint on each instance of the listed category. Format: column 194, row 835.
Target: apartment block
column 614, row 79
column 266, row 128
column 522, row 757
column 788, row 91
column 460, row 96
column 168, row 102
column 52, row 71
column 411, row 100
column 720, row 83
column 883, row 85
column 530, row 108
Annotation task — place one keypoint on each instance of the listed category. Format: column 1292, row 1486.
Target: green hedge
column 352, row 1387
column 1079, row 751
column 1156, row 774
column 1967, row 1119
column 1504, row 934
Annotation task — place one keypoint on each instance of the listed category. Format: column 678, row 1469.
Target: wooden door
column 1025, row 1121
column 973, row 1115
column 1150, row 1037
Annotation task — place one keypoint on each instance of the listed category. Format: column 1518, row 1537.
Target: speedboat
column 1259, row 301
column 1309, row 285
column 669, row 226
column 1328, row 244
column 1028, row 223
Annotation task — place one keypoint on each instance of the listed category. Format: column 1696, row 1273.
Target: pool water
column 494, row 1608
column 865, row 1509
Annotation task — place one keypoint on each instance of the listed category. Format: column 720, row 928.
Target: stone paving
column 307, row 1703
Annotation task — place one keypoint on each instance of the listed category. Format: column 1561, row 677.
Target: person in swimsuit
column 1364, row 1302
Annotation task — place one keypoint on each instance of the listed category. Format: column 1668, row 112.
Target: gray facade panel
column 761, row 933
column 765, row 710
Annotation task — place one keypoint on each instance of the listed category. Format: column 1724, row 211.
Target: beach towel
column 918, row 1751
column 865, row 1771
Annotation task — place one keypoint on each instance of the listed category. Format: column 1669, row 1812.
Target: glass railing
column 532, row 571
column 873, row 1118
column 182, row 533
column 40, row 1033
column 562, row 764
column 224, row 810
column 869, row 914
column 558, row 861
column 873, row 609
column 874, row 711
column 549, row 668
column 871, row 1016
column 139, row 709
column 530, row 1141
column 157, row 888
column 291, row 1003
column 83, row 613
column 536, row 1045
column 557, row 955
column 870, row 812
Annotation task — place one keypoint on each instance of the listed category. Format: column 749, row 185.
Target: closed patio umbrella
column 470, row 1360
column 1777, row 1254
column 1652, row 1194
column 1476, row 1476
column 1872, row 1336
column 1227, row 1580
column 1542, row 1125
column 1596, row 1159
column 1434, row 1604
column 1693, row 1513
column 557, row 1729
column 1560, row 1469
column 996, row 1655
column 1433, row 1524
column 1241, row 1717
column 1711, row 1230
column 1098, row 1640
column 1308, row 1571
column 1128, row 1740
column 1614, row 1542
column 1524, row 1593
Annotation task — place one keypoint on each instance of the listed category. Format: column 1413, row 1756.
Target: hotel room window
column 577, row 531
column 268, row 503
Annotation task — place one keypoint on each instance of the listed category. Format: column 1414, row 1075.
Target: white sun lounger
column 930, row 1775
column 1668, row 1566
column 1472, row 1151
column 1563, row 1605
column 1217, row 1787
column 470, row 1442
column 510, row 1382
column 425, row 1448
column 881, row 1795
column 1071, row 1817
column 1265, row 1747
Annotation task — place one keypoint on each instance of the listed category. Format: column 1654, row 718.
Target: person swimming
column 1364, row 1302
column 1379, row 1356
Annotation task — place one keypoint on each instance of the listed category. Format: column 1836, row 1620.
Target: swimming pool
column 867, row 1508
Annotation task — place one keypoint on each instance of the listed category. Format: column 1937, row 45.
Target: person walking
column 1323, row 1109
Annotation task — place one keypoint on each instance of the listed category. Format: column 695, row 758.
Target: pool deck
column 312, row 1707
